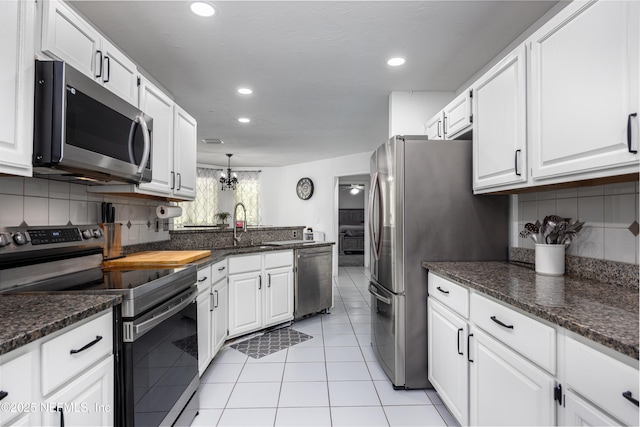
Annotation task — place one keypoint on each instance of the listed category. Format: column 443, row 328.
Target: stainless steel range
column 155, row 329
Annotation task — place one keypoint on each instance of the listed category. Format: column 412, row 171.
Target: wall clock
column 304, row 188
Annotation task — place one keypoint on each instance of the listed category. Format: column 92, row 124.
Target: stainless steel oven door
column 161, row 361
column 387, row 332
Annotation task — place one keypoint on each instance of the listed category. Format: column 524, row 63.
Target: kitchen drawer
column 16, row 380
column 454, row 296
column 602, row 380
column 244, row 264
column 60, row 365
column 218, row 271
column 278, row 259
column 527, row 336
column 204, row 279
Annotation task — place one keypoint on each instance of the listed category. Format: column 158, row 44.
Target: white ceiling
column 318, row 70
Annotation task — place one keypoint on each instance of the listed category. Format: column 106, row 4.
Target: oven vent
column 127, row 329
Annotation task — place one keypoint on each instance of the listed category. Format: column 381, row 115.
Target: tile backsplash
column 37, row 201
column 610, row 213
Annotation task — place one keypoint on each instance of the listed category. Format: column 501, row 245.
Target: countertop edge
column 68, row 318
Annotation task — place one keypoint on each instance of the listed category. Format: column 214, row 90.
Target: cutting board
column 159, row 258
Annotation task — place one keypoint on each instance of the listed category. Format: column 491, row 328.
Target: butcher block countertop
column 158, row 258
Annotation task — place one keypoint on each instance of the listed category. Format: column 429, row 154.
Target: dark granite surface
column 602, row 312
column 28, row 317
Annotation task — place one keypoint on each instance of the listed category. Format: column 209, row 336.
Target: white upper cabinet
column 457, row 115
column 584, row 91
column 499, row 128
column 160, row 107
column 16, row 86
column 434, row 127
column 184, row 154
column 68, row 37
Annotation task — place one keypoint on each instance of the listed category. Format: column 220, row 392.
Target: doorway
column 352, row 191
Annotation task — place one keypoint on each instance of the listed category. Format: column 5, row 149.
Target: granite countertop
column 28, row 317
column 219, row 254
column 214, row 229
column 602, row 312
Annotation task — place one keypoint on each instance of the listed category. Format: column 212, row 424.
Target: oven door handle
column 156, row 320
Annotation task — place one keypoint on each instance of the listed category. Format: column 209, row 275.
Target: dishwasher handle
column 314, row 254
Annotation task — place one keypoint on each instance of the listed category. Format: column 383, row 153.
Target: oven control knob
column 97, row 233
column 5, row 239
column 87, row 234
column 19, row 238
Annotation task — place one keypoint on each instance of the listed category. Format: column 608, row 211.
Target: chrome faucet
column 236, row 239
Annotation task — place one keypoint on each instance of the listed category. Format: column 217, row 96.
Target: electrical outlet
column 295, row 233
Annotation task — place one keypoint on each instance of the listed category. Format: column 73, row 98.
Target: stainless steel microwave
column 83, row 131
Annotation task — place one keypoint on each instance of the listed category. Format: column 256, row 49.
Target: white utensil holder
column 550, row 259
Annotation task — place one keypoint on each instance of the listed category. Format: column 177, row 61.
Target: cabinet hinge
column 138, row 80
column 471, row 118
column 470, row 93
column 557, row 394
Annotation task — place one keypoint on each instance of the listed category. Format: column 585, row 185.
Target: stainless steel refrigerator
column 422, row 208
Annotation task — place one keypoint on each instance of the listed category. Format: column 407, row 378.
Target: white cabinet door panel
column 279, row 296
column 245, row 303
column 577, row 412
column 499, row 128
column 184, row 154
column 204, row 331
column 584, row 68
column 434, row 127
column 120, row 74
column 506, row 389
column 69, row 38
column 457, row 115
column 220, row 314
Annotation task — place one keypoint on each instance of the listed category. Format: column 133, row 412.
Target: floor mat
column 271, row 342
column 188, row 344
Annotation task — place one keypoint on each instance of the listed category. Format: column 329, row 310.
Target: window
column 209, row 201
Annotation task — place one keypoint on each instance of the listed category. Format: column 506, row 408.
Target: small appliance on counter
column 316, row 236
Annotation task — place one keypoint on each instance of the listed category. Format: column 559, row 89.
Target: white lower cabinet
column 220, row 316
column 448, row 371
column 505, row 388
column 61, row 379
column 212, row 303
column 578, row 412
column 260, row 291
column 204, row 331
column 87, row 401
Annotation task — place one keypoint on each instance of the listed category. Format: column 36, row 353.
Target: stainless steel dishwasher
column 313, row 280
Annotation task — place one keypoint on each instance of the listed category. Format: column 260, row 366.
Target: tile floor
column 330, row 380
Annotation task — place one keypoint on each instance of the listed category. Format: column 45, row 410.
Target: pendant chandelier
column 228, row 180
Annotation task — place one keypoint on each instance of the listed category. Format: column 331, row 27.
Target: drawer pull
column 59, row 409
column 221, row 268
column 500, row 323
column 469, row 348
column 91, row 344
column 3, row 394
column 459, row 352
column 203, row 279
column 627, row 395
column 442, row 290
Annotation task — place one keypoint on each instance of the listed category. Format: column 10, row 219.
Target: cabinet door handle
column 215, row 298
column 516, row 162
column 442, row 290
column 469, row 348
column 444, row 126
column 439, row 135
column 459, row 352
column 260, row 281
column 173, row 180
column 60, row 409
column 91, row 344
column 627, row 395
column 99, row 52
column 108, row 67
column 629, row 133
column 179, row 181
column 202, row 280
column 211, row 302
column 221, row 268
column 268, row 280
column 500, row 323
column 3, row 394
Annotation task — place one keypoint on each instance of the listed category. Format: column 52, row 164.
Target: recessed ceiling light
column 395, row 62
column 244, row 120
column 202, row 8
column 245, row 91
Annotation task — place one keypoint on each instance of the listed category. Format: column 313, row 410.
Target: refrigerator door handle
column 378, row 296
column 373, row 192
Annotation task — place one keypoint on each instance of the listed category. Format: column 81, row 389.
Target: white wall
column 409, row 111
column 281, row 206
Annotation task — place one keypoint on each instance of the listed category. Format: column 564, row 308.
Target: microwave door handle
column 147, row 143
